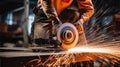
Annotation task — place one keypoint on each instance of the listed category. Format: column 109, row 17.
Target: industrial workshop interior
column 60, row 33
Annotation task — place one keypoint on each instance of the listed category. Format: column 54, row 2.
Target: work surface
column 51, row 56
column 41, row 51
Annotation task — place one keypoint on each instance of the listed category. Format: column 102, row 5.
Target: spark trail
column 102, row 54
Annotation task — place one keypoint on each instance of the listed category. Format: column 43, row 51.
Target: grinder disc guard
column 67, row 34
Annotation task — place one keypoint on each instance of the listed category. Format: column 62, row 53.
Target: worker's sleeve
column 48, row 9
column 87, row 10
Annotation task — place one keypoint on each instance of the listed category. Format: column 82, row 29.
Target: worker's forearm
column 88, row 10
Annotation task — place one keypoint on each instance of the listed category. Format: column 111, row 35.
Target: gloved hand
column 55, row 27
column 35, row 10
column 79, row 27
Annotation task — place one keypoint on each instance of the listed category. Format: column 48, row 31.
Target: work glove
column 55, row 27
column 79, row 27
column 35, row 10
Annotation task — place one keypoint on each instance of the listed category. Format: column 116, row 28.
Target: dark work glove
column 35, row 10
column 55, row 27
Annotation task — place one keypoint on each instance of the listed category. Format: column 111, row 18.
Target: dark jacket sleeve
column 48, row 9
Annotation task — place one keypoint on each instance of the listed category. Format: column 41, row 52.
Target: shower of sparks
column 89, row 49
column 101, row 54
column 114, row 49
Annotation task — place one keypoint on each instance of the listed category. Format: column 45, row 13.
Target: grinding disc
column 67, row 34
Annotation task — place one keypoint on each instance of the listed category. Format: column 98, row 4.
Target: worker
column 61, row 11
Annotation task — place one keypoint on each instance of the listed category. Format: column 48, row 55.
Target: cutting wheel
column 67, row 34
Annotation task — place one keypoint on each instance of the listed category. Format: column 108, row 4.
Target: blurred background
column 16, row 18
